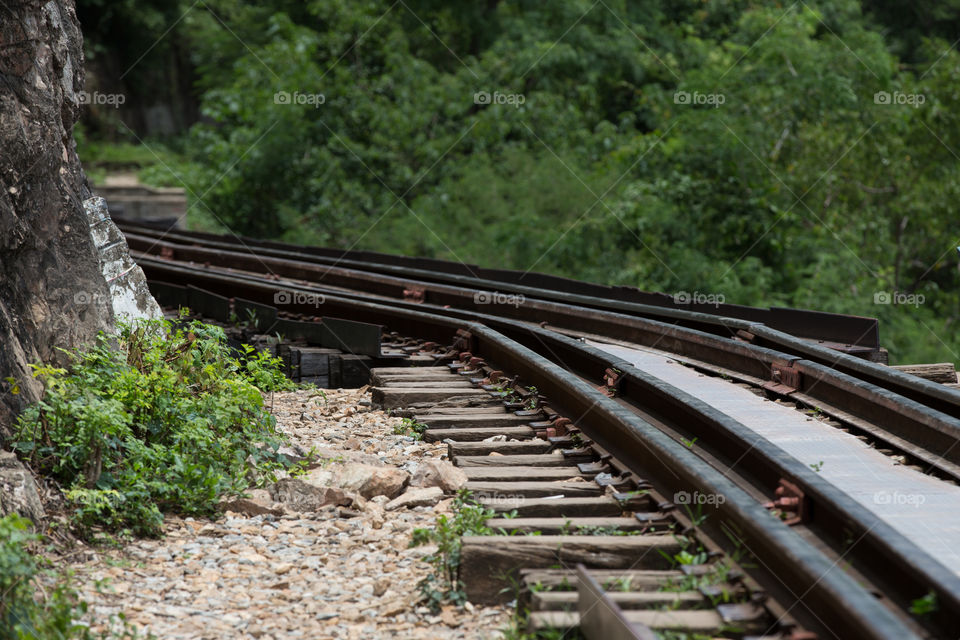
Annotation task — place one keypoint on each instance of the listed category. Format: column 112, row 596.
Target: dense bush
column 155, row 419
column 826, row 175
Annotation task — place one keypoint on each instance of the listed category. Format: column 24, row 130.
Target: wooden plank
column 462, row 411
column 458, row 401
column 591, row 507
column 691, row 621
column 541, row 460
column 530, row 489
column 516, row 474
column 396, row 397
column 437, row 435
column 522, row 447
column 490, row 563
column 556, row 526
column 315, row 361
column 567, row 600
column 428, row 384
column 409, row 370
column 645, row 580
column 410, row 381
column 942, row 372
column 471, row 421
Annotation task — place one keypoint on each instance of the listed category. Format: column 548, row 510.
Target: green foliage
column 156, row 419
column 925, row 605
column 469, row 519
column 410, row 427
column 56, row 615
column 801, row 188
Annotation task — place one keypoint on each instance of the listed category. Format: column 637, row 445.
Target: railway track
column 671, row 425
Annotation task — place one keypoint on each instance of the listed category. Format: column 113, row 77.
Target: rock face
column 130, row 297
column 52, row 291
column 18, row 492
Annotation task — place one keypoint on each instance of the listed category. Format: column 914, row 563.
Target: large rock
column 298, row 495
column 416, row 498
column 439, row 473
column 18, row 491
column 370, row 481
column 259, row 502
column 129, row 295
column 52, row 291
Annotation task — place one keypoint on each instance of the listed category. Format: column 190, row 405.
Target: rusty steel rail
column 919, row 418
column 422, row 285
column 856, row 335
column 900, row 570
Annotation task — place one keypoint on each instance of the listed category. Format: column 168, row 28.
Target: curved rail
column 535, row 352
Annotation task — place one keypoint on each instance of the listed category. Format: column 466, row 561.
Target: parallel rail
column 636, row 425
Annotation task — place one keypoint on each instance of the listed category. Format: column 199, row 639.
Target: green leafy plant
column 57, row 613
column 410, row 427
column 469, row 519
column 925, row 605
column 154, row 419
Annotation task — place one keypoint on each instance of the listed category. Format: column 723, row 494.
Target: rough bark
column 52, row 292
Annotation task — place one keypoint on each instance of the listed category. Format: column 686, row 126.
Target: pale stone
column 416, row 498
column 439, row 473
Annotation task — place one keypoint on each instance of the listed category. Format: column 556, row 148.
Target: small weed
column 410, row 427
column 924, row 606
column 469, row 519
column 816, row 466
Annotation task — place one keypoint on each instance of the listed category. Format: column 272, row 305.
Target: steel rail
column 918, row 428
column 856, row 334
column 911, row 572
column 933, row 395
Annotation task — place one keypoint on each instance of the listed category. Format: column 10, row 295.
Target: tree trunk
column 52, row 292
